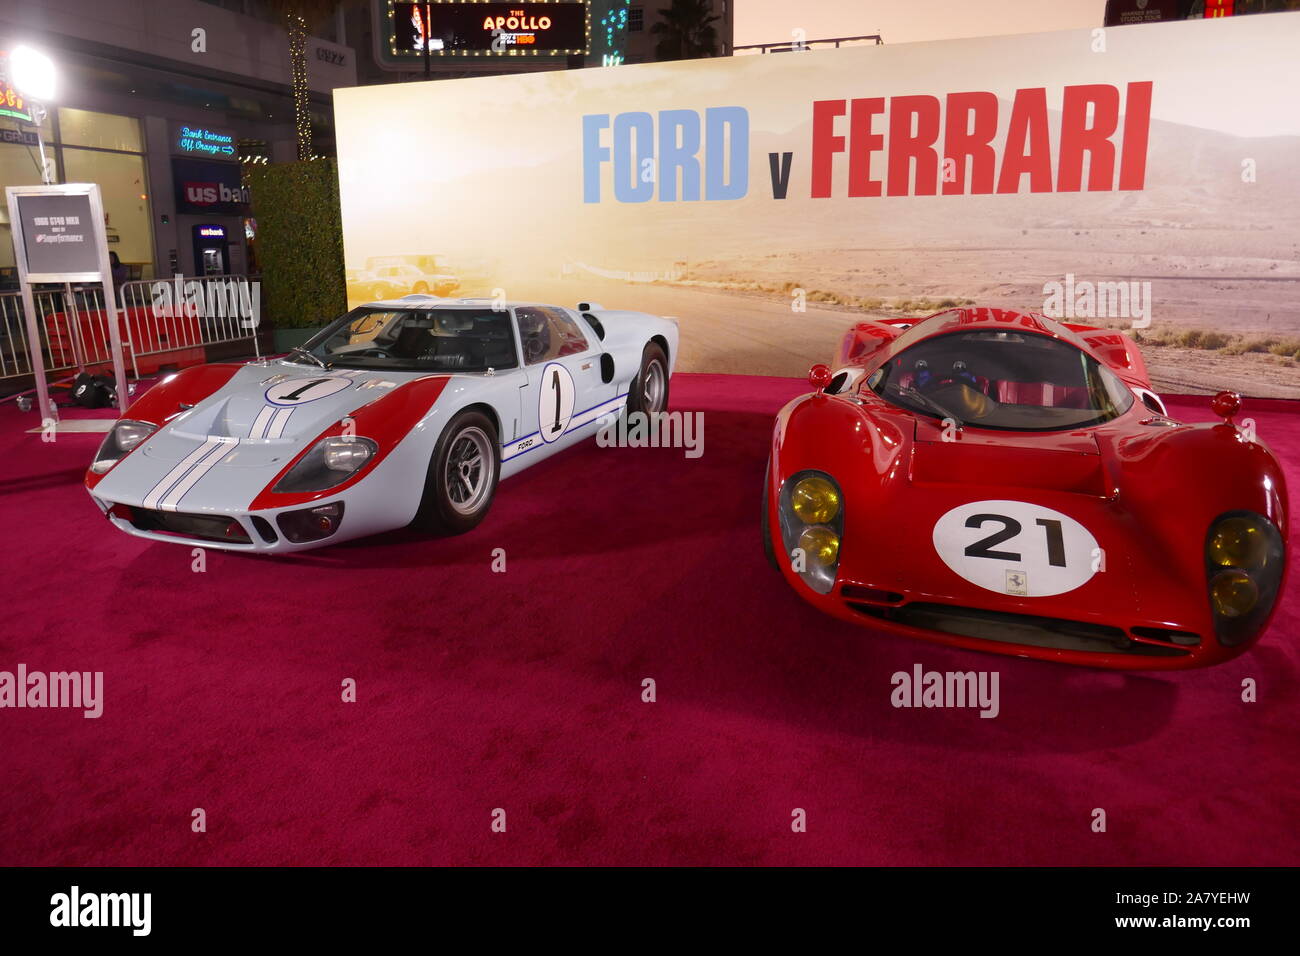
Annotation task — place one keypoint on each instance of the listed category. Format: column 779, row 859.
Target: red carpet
column 522, row 691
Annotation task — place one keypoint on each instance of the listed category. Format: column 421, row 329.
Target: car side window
column 548, row 333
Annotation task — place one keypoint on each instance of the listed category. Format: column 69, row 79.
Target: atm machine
column 211, row 250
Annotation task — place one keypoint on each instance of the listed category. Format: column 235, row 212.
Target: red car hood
column 1110, row 530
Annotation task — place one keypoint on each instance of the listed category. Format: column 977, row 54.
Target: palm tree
column 299, row 18
column 685, row 30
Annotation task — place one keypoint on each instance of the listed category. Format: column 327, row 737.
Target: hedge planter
column 299, row 243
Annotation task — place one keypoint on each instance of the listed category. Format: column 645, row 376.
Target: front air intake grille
column 204, row 527
column 1168, row 636
column 1026, row 629
column 857, row 592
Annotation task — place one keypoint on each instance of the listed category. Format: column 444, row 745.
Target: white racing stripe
column 270, row 422
column 261, row 421
column 156, row 493
column 281, row 418
column 224, row 448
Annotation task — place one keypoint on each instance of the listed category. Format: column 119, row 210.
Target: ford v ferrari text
column 997, row 480
column 403, row 411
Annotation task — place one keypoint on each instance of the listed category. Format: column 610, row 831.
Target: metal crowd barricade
column 158, row 317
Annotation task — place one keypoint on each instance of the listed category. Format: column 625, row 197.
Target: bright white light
column 32, row 72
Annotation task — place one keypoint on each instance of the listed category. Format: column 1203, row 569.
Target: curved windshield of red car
column 1015, row 381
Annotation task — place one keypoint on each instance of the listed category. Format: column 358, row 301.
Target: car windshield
column 417, row 340
column 1016, row 381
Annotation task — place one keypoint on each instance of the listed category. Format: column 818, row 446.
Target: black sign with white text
column 58, row 234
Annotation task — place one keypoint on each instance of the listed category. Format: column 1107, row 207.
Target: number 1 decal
column 555, row 401
column 299, row 391
column 556, row 426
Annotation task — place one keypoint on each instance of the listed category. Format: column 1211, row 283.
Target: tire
column 452, row 505
column 654, row 375
column 766, row 522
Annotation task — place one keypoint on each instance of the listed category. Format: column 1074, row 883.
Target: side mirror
column 819, row 376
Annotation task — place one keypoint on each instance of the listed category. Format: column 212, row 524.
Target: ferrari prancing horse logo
column 1014, row 547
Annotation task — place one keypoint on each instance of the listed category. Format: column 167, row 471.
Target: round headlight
column 1233, row 593
column 342, row 454
column 129, row 434
column 1238, row 543
column 329, row 463
column 124, row 436
column 815, row 501
column 821, row 545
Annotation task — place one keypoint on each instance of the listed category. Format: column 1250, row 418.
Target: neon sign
column 190, row 139
column 12, row 104
column 455, row 27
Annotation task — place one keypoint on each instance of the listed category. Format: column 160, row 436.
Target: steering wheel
column 373, row 353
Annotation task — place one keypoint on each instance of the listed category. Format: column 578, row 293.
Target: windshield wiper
column 299, row 350
column 913, row 393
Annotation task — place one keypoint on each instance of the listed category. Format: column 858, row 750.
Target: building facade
column 164, row 104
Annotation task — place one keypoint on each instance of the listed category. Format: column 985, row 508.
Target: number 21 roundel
column 555, row 403
column 1013, row 547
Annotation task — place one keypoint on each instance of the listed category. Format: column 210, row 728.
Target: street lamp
column 33, row 75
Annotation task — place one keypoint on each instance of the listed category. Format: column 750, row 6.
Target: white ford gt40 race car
column 403, row 411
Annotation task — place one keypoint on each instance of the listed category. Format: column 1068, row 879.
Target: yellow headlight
column 1238, row 543
column 815, row 500
column 1233, row 593
column 821, row 545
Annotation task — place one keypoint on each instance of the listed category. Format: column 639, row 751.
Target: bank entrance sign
column 203, row 141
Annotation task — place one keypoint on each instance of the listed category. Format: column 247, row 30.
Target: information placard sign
column 58, row 236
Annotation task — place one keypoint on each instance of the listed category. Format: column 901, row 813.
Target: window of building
column 108, row 149
column 20, row 165
column 635, row 19
column 100, row 130
column 124, row 187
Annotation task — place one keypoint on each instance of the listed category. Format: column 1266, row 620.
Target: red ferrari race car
column 1001, row 481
